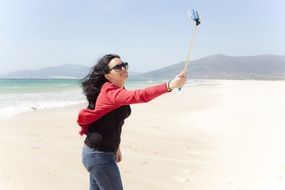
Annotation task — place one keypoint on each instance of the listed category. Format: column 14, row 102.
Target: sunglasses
column 119, row 67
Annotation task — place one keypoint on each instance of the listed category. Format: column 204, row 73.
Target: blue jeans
column 103, row 171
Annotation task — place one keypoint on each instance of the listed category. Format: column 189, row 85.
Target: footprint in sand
column 187, row 180
column 143, row 163
column 7, row 178
column 156, row 127
column 229, row 182
column 146, row 164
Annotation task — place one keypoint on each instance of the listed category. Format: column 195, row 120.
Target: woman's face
column 118, row 72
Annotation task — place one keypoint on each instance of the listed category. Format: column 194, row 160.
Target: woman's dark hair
column 93, row 82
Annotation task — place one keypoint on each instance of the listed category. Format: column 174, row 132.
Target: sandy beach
column 224, row 135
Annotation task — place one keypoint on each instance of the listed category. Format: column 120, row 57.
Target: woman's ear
column 107, row 76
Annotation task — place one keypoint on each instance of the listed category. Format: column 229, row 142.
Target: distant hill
column 267, row 67
column 68, row 71
column 63, row 71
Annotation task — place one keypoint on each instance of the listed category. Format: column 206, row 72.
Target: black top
column 105, row 133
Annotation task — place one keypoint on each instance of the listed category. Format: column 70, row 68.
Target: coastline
column 226, row 135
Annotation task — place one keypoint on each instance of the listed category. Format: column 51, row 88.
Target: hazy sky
column 149, row 34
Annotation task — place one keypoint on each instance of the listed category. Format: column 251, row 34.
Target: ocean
column 23, row 95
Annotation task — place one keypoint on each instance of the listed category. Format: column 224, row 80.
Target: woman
column 102, row 121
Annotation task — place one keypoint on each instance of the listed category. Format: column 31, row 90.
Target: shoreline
column 202, row 82
column 46, row 106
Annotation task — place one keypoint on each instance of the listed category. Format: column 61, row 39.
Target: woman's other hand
column 178, row 81
column 118, row 155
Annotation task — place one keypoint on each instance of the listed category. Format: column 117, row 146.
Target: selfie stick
column 195, row 17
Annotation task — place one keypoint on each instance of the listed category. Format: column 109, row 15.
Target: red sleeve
column 112, row 97
column 87, row 116
column 120, row 96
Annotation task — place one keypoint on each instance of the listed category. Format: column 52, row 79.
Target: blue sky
column 148, row 34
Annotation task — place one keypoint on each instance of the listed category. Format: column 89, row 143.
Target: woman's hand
column 178, row 81
column 118, row 155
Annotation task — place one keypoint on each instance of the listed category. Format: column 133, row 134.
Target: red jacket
column 112, row 97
